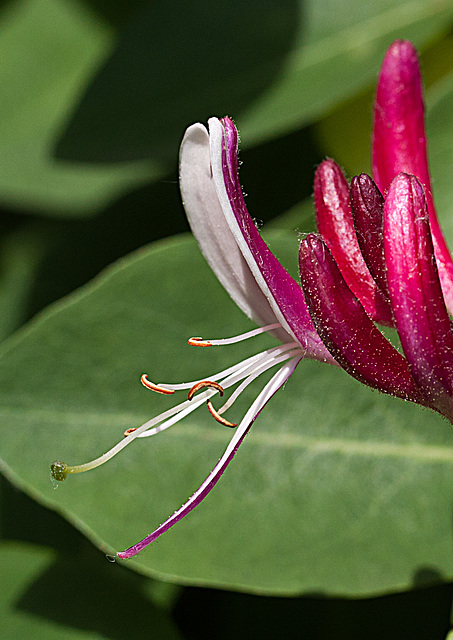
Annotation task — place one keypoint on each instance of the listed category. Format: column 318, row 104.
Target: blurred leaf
column 353, row 120
column 176, row 63
column 20, row 254
column 22, row 519
column 300, row 218
column 350, row 121
column 115, row 12
column 19, row 567
column 55, row 597
column 273, row 67
column 76, row 250
column 337, row 489
column 336, row 54
column 48, row 50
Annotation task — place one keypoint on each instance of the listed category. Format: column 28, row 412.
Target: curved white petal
column 283, row 293
column 217, row 242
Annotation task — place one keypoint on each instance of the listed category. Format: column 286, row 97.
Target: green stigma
column 59, row 470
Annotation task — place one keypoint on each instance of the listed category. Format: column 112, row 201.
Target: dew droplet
column 111, row 558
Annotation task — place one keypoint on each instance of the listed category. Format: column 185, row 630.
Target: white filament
column 248, row 369
column 244, row 364
column 243, row 336
column 245, row 371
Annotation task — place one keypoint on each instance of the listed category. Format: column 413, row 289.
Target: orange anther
column 154, row 387
column 202, row 385
column 129, row 431
column 198, row 342
column 218, row 417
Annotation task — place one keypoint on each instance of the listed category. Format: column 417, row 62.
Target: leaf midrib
column 416, row 451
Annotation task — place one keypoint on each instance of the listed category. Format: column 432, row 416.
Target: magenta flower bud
column 345, row 328
column 421, row 317
column 367, row 206
column 399, row 140
column 336, row 225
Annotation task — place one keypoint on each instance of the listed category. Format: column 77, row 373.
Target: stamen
column 59, row 470
column 218, row 417
column 129, row 431
column 254, row 373
column 272, row 386
column 249, row 368
column 154, row 387
column 202, row 385
column 199, row 342
column 237, row 368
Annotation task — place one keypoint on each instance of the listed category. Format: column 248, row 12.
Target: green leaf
column 337, row 489
column 177, row 63
column 42, row 598
column 336, row 54
column 20, row 565
column 440, row 138
column 273, row 67
column 48, row 50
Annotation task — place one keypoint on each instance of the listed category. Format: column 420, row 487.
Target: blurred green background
column 95, row 97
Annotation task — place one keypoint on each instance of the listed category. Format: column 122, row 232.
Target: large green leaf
column 273, row 67
column 337, row 489
column 48, row 50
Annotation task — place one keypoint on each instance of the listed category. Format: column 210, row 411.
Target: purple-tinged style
column 399, row 140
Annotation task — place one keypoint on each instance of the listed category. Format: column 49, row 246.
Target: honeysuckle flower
column 375, row 262
column 383, row 257
column 255, row 280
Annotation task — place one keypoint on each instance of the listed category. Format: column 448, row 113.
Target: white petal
column 217, row 242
